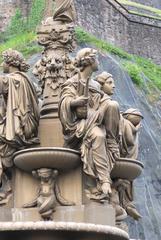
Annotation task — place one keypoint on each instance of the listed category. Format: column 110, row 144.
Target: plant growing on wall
column 19, row 24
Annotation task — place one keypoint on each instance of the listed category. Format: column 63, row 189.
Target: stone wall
column 152, row 3
column 8, row 8
column 108, row 20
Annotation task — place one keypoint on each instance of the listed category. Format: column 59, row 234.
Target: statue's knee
column 98, row 133
column 114, row 105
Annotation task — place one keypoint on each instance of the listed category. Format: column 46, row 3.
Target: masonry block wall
column 105, row 21
column 8, row 8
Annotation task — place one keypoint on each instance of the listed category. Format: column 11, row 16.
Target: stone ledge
column 64, row 226
column 94, row 213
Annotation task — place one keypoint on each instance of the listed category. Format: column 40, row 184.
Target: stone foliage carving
column 57, row 36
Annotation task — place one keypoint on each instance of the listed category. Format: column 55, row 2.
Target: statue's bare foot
column 131, row 211
column 2, row 196
column 106, row 188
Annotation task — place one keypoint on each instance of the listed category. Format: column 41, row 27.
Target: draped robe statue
column 129, row 127
column 19, row 114
column 90, row 124
column 122, row 190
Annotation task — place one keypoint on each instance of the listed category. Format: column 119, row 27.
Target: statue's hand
column 116, row 155
column 80, row 107
column 138, row 126
column 106, row 188
column 79, row 102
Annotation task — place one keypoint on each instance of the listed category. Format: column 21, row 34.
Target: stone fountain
column 57, row 190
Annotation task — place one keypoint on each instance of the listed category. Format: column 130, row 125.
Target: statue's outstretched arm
column 31, row 204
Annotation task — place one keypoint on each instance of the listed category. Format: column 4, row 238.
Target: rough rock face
column 148, row 185
column 105, row 20
column 8, row 8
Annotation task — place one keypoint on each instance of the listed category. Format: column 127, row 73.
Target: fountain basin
column 63, row 159
column 127, row 168
column 59, row 231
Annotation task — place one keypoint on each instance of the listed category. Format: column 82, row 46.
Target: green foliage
column 134, row 72
column 135, row 66
column 19, row 24
column 20, row 35
column 150, row 70
column 35, row 15
column 84, row 37
column 25, row 43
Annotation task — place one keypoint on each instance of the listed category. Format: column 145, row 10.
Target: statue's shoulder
column 105, row 97
column 23, row 79
column 18, row 75
column 73, row 81
column 3, row 77
column 128, row 125
column 10, row 77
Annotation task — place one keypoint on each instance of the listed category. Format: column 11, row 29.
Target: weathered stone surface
column 60, row 230
column 107, row 20
column 8, row 8
column 152, row 3
column 94, row 213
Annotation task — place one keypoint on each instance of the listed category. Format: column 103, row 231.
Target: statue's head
column 86, row 57
column 133, row 115
column 107, row 83
column 13, row 58
column 47, row 173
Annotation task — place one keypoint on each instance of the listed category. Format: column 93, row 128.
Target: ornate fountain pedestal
column 68, row 164
column 54, row 196
column 84, row 220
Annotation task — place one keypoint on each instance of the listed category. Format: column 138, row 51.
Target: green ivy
column 84, row 37
column 17, row 24
column 35, row 15
column 136, row 66
column 134, row 72
column 20, row 24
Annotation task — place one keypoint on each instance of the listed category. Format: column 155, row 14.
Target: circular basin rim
column 41, row 149
column 67, row 226
column 129, row 160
